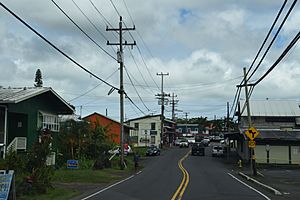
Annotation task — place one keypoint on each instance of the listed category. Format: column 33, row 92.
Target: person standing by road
column 136, row 161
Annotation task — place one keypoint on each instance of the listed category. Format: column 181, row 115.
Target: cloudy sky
column 203, row 45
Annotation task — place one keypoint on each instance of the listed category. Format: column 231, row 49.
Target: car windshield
column 150, row 99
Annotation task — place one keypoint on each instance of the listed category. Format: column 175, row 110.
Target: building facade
column 147, row 131
column 278, row 124
column 113, row 127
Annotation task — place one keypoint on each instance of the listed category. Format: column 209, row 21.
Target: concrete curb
column 276, row 192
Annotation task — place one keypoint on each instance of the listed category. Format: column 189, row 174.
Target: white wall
column 295, row 153
column 145, row 125
column 277, row 155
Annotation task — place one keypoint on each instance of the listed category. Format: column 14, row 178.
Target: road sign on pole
column 252, row 133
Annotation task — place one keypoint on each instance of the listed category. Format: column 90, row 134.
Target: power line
column 138, row 84
column 128, row 11
column 56, row 48
column 147, row 66
column 289, row 47
column 136, row 90
column 276, row 34
column 107, row 22
column 82, row 30
column 90, row 21
column 133, row 39
column 266, row 38
column 260, row 49
column 134, row 104
column 139, row 70
column 112, row 3
column 85, row 93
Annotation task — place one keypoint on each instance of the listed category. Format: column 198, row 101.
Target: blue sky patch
column 184, row 15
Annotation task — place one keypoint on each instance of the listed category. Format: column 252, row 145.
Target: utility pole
column 173, row 103
column 227, row 121
column 121, row 90
column 186, row 121
column 162, row 97
column 252, row 154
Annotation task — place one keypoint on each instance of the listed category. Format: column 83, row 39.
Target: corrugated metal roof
column 16, row 95
column 272, row 108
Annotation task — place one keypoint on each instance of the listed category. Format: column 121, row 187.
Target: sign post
column 252, row 133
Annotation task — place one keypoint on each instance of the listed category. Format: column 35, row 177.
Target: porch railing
column 18, row 143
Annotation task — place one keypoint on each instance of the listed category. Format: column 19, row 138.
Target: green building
column 24, row 111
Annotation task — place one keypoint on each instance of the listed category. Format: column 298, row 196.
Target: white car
column 217, row 150
column 117, row 150
column 183, row 143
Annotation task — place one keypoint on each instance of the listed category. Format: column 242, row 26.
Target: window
column 188, row 130
column 136, row 125
column 153, row 126
column 49, row 121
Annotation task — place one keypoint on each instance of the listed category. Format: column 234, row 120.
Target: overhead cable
column 266, row 38
column 90, row 21
column 288, row 48
column 276, row 34
column 56, row 48
column 136, row 90
column 82, row 30
column 85, row 93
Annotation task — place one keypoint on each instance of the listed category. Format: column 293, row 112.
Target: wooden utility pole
column 162, row 97
column 252, row 154
column 173, row 103
column 121, row 90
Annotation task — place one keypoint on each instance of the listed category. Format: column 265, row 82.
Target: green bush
column 141, row 151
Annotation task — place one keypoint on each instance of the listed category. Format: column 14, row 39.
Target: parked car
column 217, row 150
column 198, row 149
column 206, row 141
column 117, row 150
column 153, row 151
column 184, row 143
column 177, row 141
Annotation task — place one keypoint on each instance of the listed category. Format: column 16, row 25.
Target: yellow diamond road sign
column 252, row 133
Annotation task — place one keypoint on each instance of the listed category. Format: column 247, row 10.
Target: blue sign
column 5, row 183
column 72, row 164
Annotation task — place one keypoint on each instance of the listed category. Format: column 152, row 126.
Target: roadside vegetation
column 76, row 141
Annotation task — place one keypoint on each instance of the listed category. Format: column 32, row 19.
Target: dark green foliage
column 83, row 141
column 38, row 78
column 39, row 173
column 16, row 162
column 33, row 176
column 73, row 139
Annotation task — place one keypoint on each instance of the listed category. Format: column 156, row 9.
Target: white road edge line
column 265, row 196
column 138, row 172
column 104, row 189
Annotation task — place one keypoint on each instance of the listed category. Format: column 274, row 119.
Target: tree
column 38, row 78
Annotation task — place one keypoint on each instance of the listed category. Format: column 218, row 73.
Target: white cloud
column 203, row 53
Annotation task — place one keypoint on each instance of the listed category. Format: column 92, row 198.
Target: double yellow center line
column 185, row 180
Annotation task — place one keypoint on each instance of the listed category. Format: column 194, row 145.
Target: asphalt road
column 209, row 179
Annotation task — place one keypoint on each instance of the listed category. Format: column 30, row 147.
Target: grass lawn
column 84, row 175
column 87, row 176
column 57, row 193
